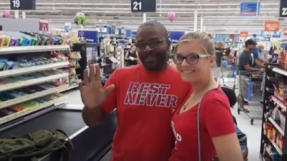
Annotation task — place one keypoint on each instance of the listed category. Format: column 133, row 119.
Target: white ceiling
column 218, row 15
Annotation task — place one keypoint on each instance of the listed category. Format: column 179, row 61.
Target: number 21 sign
column 143, row 5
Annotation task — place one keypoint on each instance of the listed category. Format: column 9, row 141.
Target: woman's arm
column 127, row 56
column 220, row 125
column 227, row 147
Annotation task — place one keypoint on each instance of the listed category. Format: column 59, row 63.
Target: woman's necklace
column 185, row 106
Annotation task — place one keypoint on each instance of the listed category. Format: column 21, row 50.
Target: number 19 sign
column 143, row 5
column 22, row 4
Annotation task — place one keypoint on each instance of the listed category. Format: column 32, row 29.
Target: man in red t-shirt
column 144, row 95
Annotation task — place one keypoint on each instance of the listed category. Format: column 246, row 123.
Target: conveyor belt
column 68, row 121
column 89, row 145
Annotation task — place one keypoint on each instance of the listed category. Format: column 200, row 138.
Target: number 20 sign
column 143, row 5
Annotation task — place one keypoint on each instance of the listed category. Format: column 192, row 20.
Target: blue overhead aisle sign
column 174, row 36
column 249, row 9
column 90, row 36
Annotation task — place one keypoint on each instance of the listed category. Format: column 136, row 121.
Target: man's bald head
column 155, row 24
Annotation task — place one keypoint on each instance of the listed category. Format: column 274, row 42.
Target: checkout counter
column 90, row 144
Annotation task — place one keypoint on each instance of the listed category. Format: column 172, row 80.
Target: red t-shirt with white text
column 215, row 120
column 144, row 102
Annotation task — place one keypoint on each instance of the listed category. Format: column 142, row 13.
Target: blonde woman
column 194, row 56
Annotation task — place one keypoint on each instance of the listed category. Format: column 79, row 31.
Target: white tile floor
column 253, row 131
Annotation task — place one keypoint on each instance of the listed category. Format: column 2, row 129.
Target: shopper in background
column 262, row 56
column 219, row 50
column 131, row 57
column 145, row 95
column 227, row 52
column 246, row 58
column 195, row 55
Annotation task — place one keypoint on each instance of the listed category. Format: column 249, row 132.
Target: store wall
column 29, row 25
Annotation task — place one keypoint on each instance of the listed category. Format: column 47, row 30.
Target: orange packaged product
column 282, row 60
column 267, row 126
column 285, row 61
column 17, row 108
column 281, row 142
column 270, row 134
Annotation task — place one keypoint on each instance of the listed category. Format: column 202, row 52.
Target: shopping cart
column 250, row 95
column 228, row 74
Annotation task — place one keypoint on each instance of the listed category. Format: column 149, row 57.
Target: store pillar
column 144, row 17
column 16, row 14
column 195, row 20
column 23, row 15
column 201, row 24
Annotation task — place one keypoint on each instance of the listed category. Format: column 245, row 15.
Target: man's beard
column 159, row 66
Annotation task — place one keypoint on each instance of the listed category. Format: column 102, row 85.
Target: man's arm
column 95, row 116
column 127, row 56
column 258, row 62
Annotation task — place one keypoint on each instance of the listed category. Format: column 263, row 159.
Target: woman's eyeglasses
column 191, row 59
column 152, row 44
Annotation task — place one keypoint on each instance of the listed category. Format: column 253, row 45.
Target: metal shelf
column 31, row 110
column 68, row 88
column 280, row 71
column 278, row 102
column 276, row 126
column 32, row 49
column 20, row 71
column 33, row 96
column 26, row 83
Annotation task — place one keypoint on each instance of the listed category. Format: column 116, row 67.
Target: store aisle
column 74, row 97
column 252, row 131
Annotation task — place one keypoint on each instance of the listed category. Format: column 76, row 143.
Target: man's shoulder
column 244, row 54
column 128, row 69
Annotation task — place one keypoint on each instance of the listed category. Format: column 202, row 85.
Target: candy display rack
column 31, row 78
column 273, row 138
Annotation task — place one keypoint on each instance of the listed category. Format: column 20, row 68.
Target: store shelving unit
column 43, row 103
column 273, row 138
column 31, row 49
column 33, row 69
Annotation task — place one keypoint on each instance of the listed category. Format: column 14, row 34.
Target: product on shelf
column 74, row 57
column 29, row 105
column 274, row 113
column 29, row 61
column 22, row 92
column 9, row 39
